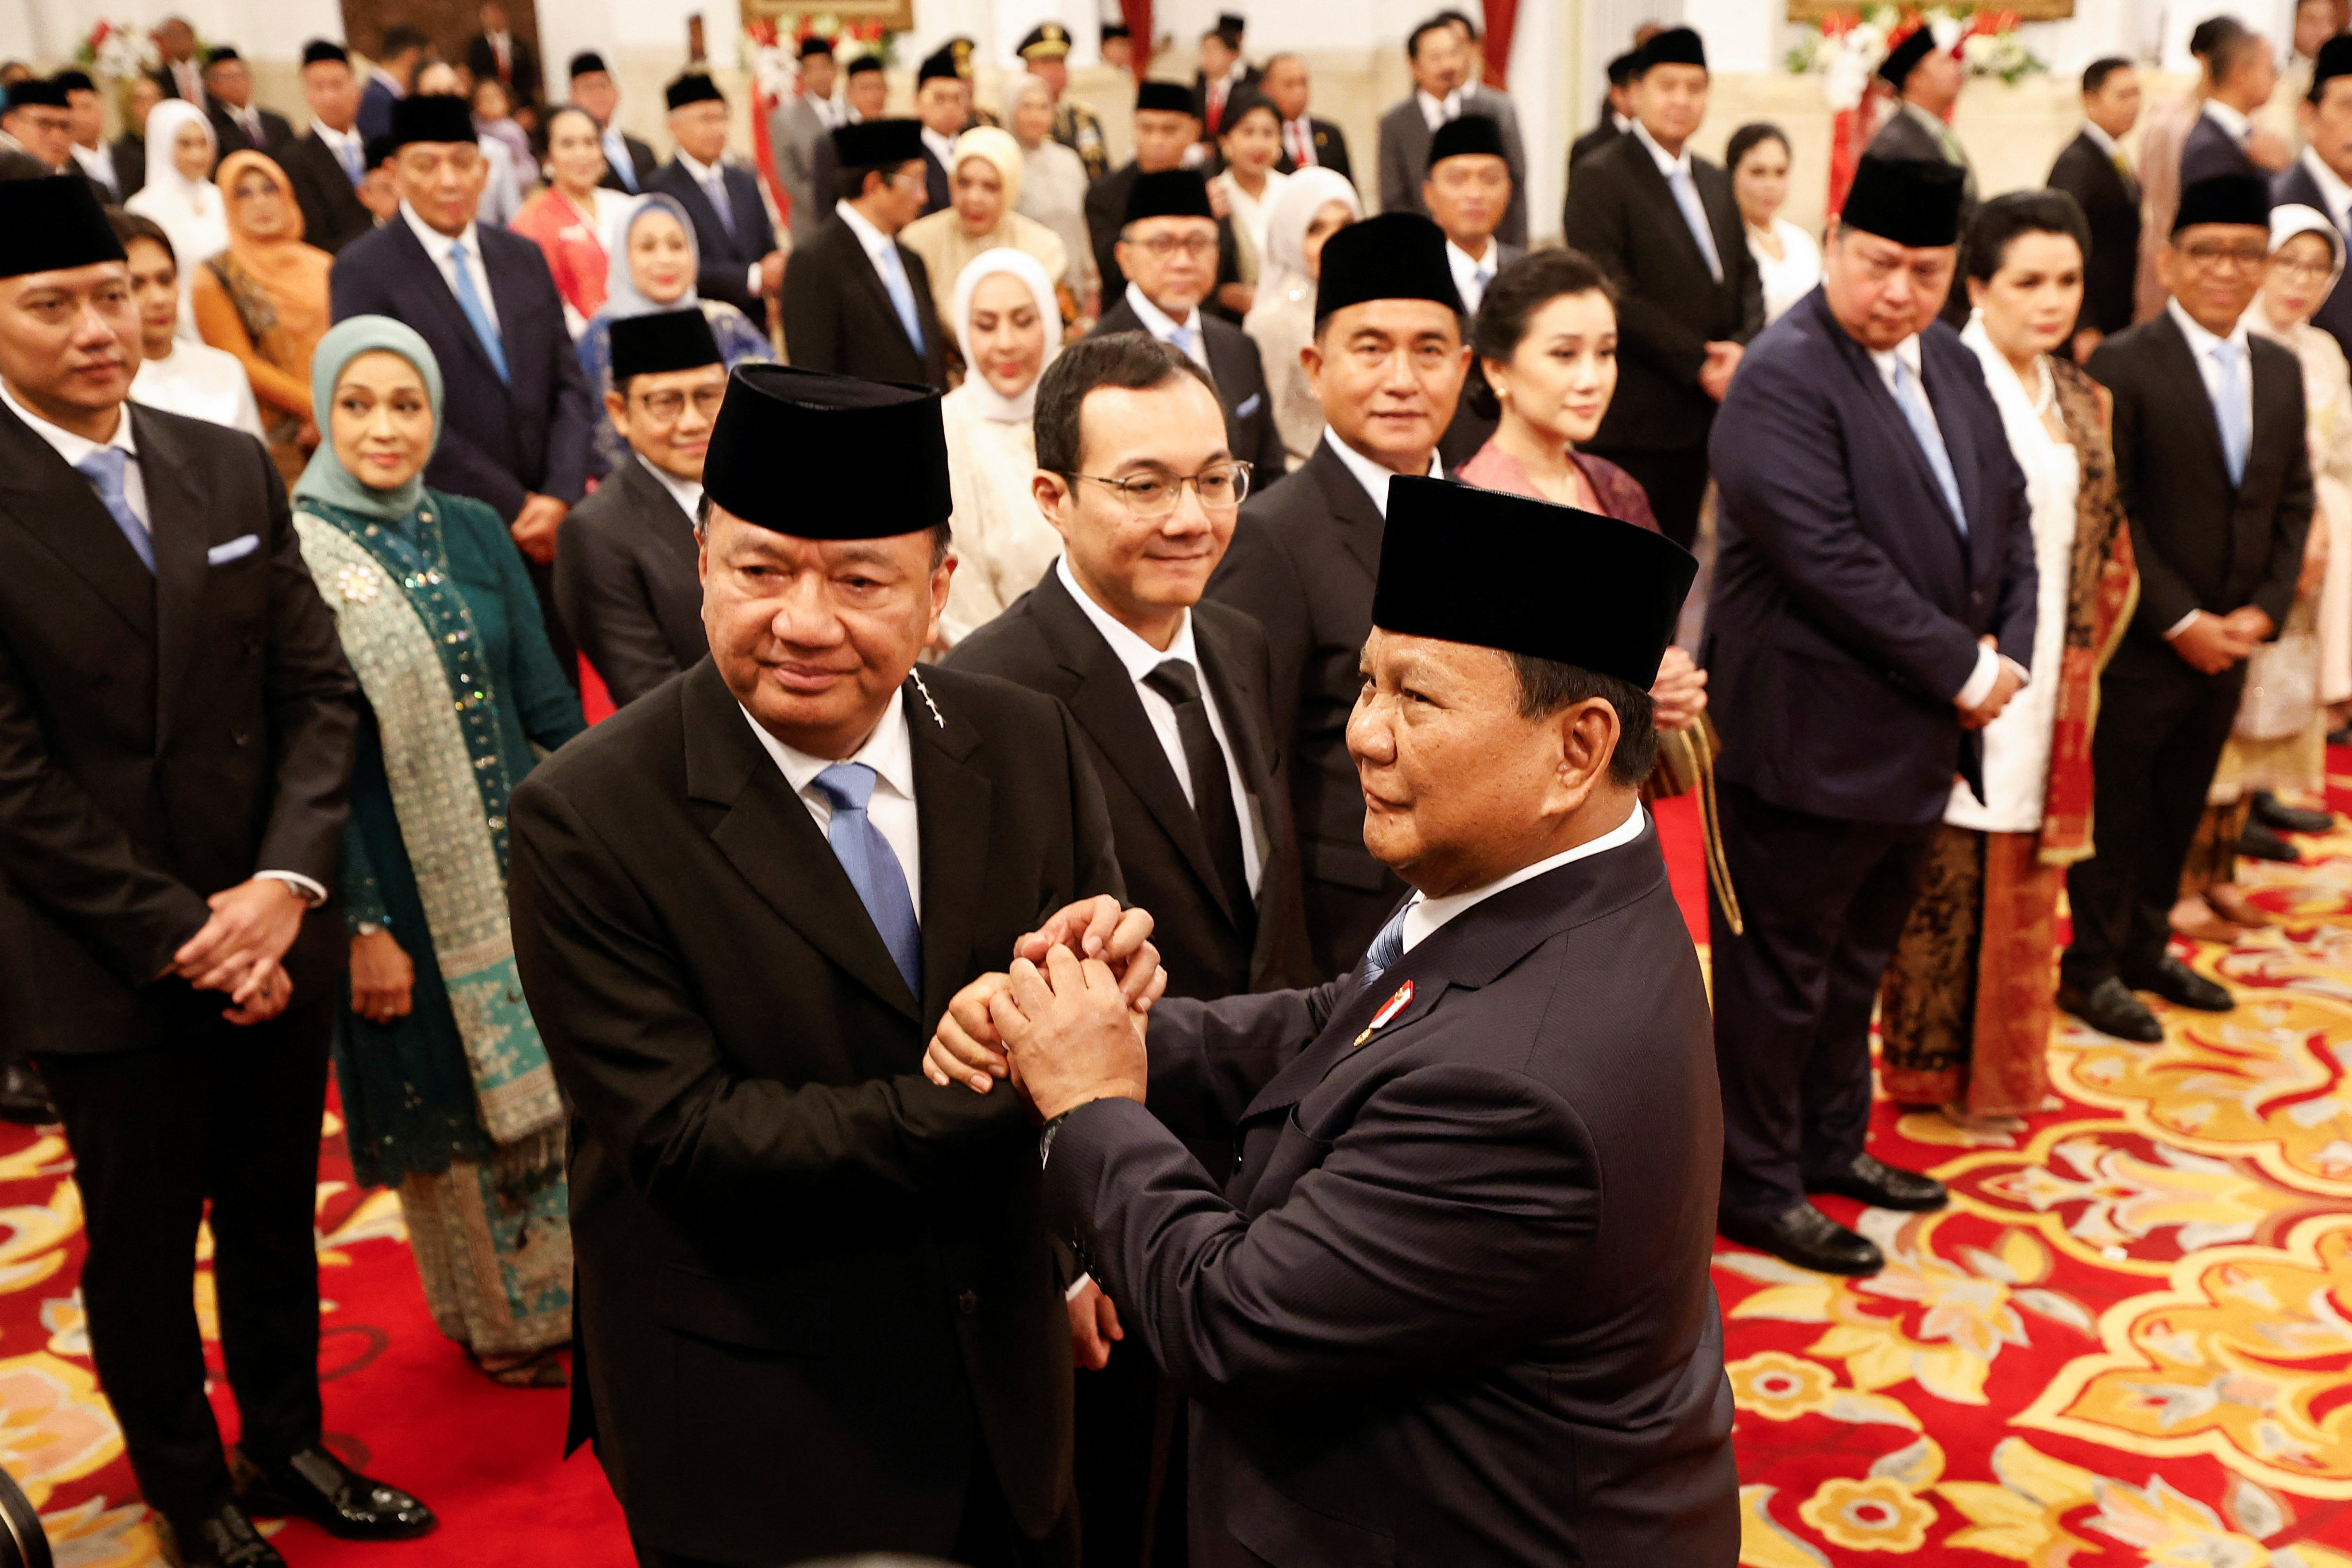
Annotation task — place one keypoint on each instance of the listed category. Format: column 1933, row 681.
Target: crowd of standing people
column 1090, row 655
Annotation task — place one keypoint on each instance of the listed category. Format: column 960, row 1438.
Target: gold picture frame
column 896, row 15
column 1814, row 10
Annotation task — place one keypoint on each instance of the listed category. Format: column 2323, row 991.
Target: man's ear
column 1054, row 499
column 1586, row 734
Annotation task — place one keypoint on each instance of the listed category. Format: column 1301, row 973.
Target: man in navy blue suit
column 1873, row 607
column 733, row 234
column 2318, row 177
column 515, row 420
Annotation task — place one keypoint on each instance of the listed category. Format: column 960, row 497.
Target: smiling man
column 1451, row 1305
column 741, row 905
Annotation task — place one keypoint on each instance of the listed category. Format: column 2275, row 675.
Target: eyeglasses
column 2309, row 271
column 2207, row 254
column 1163, row 246
column 665, row 406
column 1151, row 496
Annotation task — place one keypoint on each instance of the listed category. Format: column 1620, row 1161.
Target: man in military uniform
column 1046, row 52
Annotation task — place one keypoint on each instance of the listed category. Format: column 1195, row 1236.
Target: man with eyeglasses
column 37, row 132
column 2321, row 176
column 2212, row 470
column 1167, row 252
column 626, row 579
column 1173, row 695
column 856, row 301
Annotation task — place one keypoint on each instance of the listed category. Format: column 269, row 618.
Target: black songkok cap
column 1907, row 200
column 1231, row 28
column 587, row 62
column 48, row 225
column 814, row 45
column 1437, row 580
column 1396, row 256
column 75, row 81
column 1116, row 30
column 37, row 92
column 864, row 63
column 1624, row 68
column 694, row 87
column 2244, row 199
column 876, row 144
column 1905, row 57
column 1466, row 135
column 319, row 50
column 378, row 150
column 1675, row 46
column 1164, row 96
column 431, row 117
column 665, row 340
column 937, row 65
column 1169, row 192
column 1046, row 41
column 214, row 56
column 2334, row 59
column 885, row 468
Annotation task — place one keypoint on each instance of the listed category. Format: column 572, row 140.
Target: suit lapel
column 953, row 799
column 1238, row 703
column 1347, row 1022
column 431, row 290
column 1670, row 211
column 176, row 530
column 1894, row 426
column 1362, row 526
column 507, row 301
column 2174, row 347
column 860, row 267
column 59, row 510
column 1959, row 444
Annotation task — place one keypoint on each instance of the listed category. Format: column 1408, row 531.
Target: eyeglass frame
column 645, row 400
column 1241, row 470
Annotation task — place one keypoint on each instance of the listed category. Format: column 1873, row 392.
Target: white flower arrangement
column 1846, row 50
column 118, row 52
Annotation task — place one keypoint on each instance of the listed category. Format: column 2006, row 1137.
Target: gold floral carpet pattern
column 2129, row 1337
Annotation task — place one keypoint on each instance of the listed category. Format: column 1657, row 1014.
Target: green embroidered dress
column 455, row 1103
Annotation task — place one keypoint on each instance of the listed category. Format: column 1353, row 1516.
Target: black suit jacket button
column 968, row 1303
column 1977, row 599
column 241, row 735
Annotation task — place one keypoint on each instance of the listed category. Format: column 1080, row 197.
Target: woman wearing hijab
column 984, row 174
column 265, row 300
column 1966, row 1006
column 179, row 195
column 1053, row 189
column 652, row 270
column 447, row 1093
column 1313, row 205
column 571, row 214
column 1006, row 319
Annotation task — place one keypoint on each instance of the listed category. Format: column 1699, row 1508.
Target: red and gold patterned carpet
column 2128, row 1341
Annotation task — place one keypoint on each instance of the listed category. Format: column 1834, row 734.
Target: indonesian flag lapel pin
column 1389, row 1009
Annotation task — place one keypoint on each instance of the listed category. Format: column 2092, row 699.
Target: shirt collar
column 873, row 239
column 1159, row 323
column 338, row 140
column 73, row 448
column 688, row 493
column 1668, row 163
column 2229, row 118
column 942, row 147
column 1371, row 475
column 1437, row 110
column 1486, row 258
column 389, row 81
column 1906, row 351
column 1139, row 658
column 1624, row 122
column 437, row 244
column 1425, row 915
column 2100, row 139
column 889, row 750
column 2332, row 188
column 2200, row 341
column 695, row 166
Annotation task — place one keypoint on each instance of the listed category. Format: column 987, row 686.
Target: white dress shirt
column 831, row 112
column 1371, row 475
column 616, row 155
column 189, row 78
column 2102, row 140
column 1466, row 269
column 942, row 148
column 1437, row 111
column 2229, row 120
column 2202, row 344
column 201, row 382
column 1299, row 142
column 1141, row 660
column 97, row 163
column 1424, row 916
column 348, row 146
column 890, row 753
column 877, row 245
column 1165, row 327
column 437, row 246
column 712, row 178
column 73, row 448
column 688, row 493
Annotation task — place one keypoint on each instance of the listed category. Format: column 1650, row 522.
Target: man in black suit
column 514, row 427
column 1444, row 89
column 2321, row 176
column 496, row 53
column 1387, row 362
column 1462, row 1237
column 1616, row 111
column 1466, row 192
column 241, row 125
column 178, row 73
column 1224, row 71
column 88, row 149
column 328, row 163
column 733, row 234
column 1926, row 83
column 1165, row 126
column 1167, row 251
column 1307, row 143
column 2242, row 71
column 856, row 301
column 942, row 108
column 2092, row 170
column 37, row 132
column 130, row 149
column 742, row 905
column 1874, row 604
column 1662, row 224
column 629, row 163
column 626, row 581
column 1172, row 696
column 176, row 724
column 2211, row 470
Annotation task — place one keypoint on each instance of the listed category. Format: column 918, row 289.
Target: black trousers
column 1130, row 1447
column 230, row 1116
column 1676, row 483
column 1824, row 901
column 2162, row 726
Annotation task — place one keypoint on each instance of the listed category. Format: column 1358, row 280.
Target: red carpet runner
column 2129, row 1341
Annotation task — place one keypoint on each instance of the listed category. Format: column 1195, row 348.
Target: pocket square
column 237, row 549
column 1249, row 405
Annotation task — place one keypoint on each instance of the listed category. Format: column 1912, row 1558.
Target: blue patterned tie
column 2231, row 411
column 352, row 166
column 872, row 867
column 902, row 297
column 104, row 470
column 1695, row 215
column 1187, row 339
column 1914, row 404
column 469, row 300
column 1387, row 947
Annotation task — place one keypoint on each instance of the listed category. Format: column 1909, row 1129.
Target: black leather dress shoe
column 223, row 1539
column 2259, row 843
column 2184, row 987
column 1809, row 1238
column 316, row 1485
column 24, row 1097
column 2275, row 813
column 1882, row 1187
column 2110, row 1009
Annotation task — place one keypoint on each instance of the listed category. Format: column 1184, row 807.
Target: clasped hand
column 239, row 949
column 2211, row 644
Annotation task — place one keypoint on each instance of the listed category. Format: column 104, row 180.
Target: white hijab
column 190, row 212
column 1288, row 218
column 986, row 401
column 2287, row 221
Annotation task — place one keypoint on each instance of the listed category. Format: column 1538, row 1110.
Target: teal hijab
column 326, row 480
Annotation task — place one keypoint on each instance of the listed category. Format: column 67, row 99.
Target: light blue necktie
column 352, row 166
column 715, row 190
column 104, row 468
column 1695, row 215
column 872, row 867
column 1387, row 947
column 1914, row 404
column 1188, row 341
column 469, row 300
column 2231, row 412
column 894, row 279
column 616, row 155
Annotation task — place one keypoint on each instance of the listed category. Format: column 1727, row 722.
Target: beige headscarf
column 999, row 148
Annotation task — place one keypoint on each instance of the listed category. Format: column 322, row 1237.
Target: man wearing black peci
column 856, row 301
column 2092, row 170
column 328, row 162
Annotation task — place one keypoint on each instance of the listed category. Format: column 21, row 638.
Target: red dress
column 573, row 247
